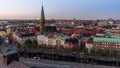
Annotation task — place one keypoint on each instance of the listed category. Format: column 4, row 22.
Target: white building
column 89, row 44
column 60, row 42
column 52, row 41
column 21, row 38
column 56, row 40
column 42, row 39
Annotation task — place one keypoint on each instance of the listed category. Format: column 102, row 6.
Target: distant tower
column 42, row 21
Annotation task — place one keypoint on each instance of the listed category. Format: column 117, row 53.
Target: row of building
column 104, row 42
column 97, row 37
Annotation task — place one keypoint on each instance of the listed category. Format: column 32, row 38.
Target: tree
column 56, row 57
column 114, row 53
column 85, row 50
column 92, row 51
column 44, row 46
column 34, row 43
column 99, row 51
column 61, row 48
column 28, row 43
column 78, row 49
column 55, row 47
column 25, row 55
column 19, row 45
column 10, row 38
column 1, row 40
column 117, row 63
column 42, row 56
column 106, row 52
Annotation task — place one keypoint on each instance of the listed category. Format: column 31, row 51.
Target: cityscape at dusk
column 60, row 9
column 59, row 34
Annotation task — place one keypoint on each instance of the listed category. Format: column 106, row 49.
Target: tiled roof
column 81, row 30
column 51, row 35
column 89, row 40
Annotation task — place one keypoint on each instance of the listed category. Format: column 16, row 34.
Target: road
column 70, row 54
column 34, row 63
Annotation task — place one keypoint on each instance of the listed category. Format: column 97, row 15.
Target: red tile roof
column 51, row 35
column 89, row 40
column 80, row 31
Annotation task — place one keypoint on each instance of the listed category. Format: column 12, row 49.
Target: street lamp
column 113, row 60
column 81, row 56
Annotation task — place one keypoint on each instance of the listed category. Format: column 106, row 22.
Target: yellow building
column 3, row 33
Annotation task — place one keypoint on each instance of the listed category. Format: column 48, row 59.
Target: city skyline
column 60, row 9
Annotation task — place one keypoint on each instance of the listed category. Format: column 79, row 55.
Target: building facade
column 109, row 43
column 57, row 39
column 42, row 39
column 21, row 38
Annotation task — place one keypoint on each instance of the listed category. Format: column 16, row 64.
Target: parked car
column 37, row 58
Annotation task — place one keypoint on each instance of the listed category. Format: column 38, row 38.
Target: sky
column 60, row 9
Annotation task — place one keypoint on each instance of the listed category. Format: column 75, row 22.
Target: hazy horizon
column 60, row 9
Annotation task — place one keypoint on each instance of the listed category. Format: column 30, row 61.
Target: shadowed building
column 10, row 59
column 72, row 42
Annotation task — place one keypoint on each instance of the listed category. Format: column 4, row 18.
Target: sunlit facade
column 110, row 43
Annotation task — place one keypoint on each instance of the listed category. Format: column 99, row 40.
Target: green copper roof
column 60, row 36
column 42, row 13
column 115, row 39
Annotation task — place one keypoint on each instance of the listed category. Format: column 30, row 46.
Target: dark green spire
column 42, row 13
column 42, row 21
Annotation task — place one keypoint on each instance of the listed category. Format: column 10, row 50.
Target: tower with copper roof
column 42, row 20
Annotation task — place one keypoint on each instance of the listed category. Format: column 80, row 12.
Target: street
column 35, row 63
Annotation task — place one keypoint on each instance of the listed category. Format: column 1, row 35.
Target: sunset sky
column 60, row 9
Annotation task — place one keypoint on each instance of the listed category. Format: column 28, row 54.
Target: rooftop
column 27, row 35
column 107, row 39
column 61, row 36
column 10, row 52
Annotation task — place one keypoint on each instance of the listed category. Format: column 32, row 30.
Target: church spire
column 42, row 13
column 42, row 21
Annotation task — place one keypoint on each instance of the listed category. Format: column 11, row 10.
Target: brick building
column 110, row 43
